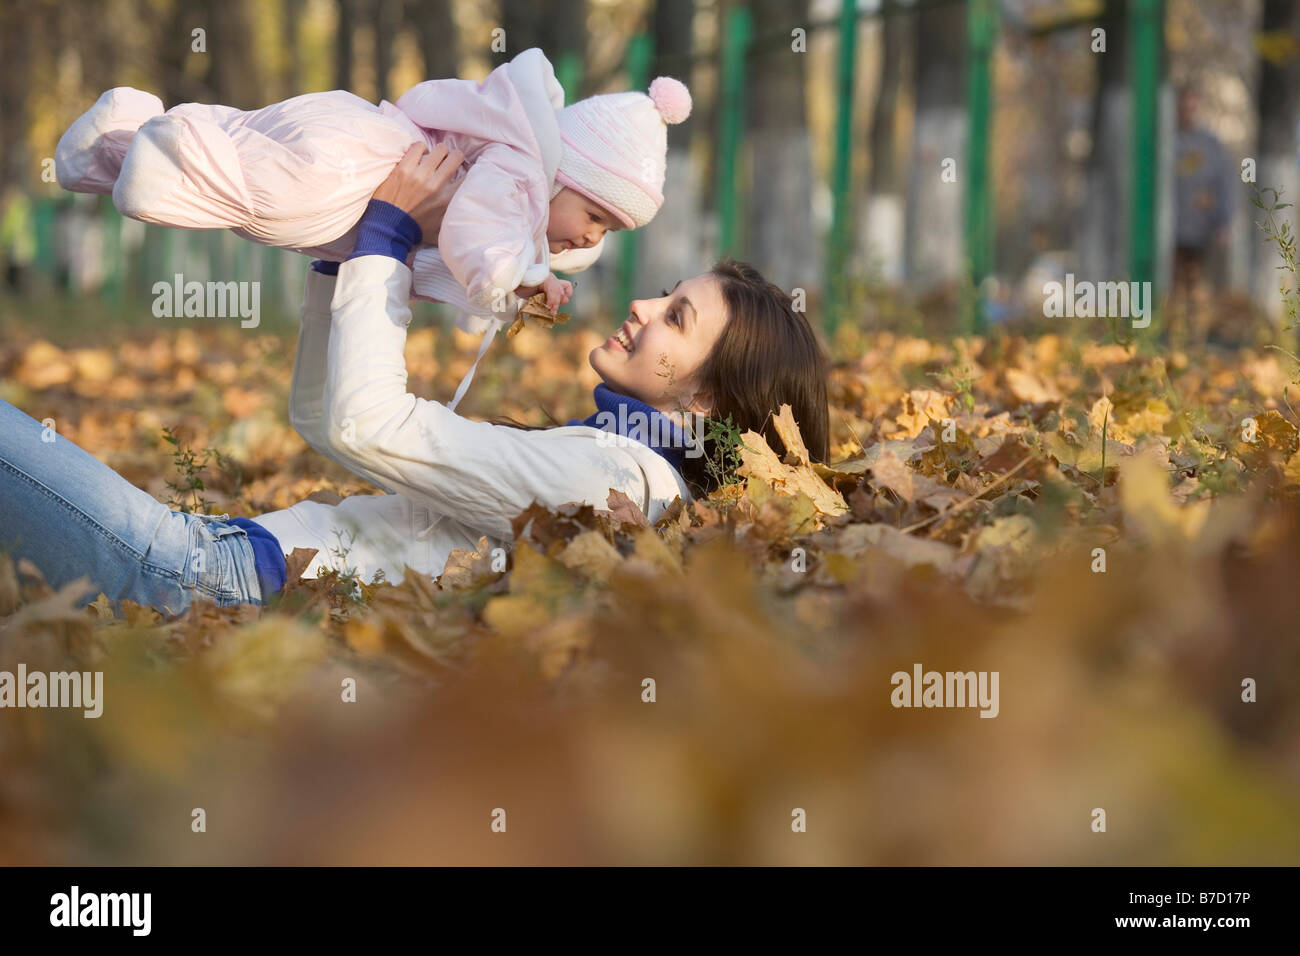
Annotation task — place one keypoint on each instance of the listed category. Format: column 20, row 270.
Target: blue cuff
column 386, row 230
column 272, row 568
column 325, row 267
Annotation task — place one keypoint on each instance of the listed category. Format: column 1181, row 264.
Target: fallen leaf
column 758, row 460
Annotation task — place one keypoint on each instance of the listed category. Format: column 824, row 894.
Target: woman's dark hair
column 767, row 355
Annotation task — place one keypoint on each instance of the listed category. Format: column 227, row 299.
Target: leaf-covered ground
column 1113, row 529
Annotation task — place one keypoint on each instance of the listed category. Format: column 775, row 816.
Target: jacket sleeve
column 481, row 474
column 306, row 393
column 487, row 238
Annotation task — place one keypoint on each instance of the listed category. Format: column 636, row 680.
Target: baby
column 542, row 183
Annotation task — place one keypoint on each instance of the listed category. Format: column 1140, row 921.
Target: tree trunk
column 883, row 234
column 782, row 241
column 438, row 38
column 1278, row 102
column 17, row 37
column 672, row 245
column 557, row 27
column 386, row 14
column 174, row 49
column 343, row 44
column 234, row 77
column 935, row 206
column 291, row 83
column 524, row 23
column 1103, row 220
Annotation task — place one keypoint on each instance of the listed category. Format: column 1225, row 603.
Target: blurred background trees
column 1060, row 138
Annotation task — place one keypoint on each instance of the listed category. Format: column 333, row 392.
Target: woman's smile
column 622, row 340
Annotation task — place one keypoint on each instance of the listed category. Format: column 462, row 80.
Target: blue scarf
column 633, row 418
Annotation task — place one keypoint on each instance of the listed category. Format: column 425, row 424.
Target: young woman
column 725, row 342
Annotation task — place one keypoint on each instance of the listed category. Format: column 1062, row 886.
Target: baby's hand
column 558, row 292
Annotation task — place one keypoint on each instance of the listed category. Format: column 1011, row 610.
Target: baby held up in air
column 540, row 186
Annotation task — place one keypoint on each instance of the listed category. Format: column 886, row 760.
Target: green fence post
column 981, row 28
column 842, row 172
column 739, row 30
column 1146, row 46
column 639, row 54
column 568, row 70
column 43, row 216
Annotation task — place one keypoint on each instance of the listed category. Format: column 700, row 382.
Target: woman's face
column 657, row 353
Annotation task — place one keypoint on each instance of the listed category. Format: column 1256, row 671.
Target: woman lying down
column 731, row 339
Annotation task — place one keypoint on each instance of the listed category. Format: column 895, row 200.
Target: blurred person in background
column 17, row 239
column 78, row 244
column 1201, row 214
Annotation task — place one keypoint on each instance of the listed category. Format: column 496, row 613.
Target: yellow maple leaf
column 758, row 460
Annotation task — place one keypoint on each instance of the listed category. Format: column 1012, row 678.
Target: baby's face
column 576, row 222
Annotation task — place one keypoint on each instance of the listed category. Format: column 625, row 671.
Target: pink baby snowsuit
column 298, row 174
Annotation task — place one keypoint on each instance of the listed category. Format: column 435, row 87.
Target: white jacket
column 451, row 480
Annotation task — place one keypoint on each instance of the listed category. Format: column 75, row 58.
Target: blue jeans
column 73, row 516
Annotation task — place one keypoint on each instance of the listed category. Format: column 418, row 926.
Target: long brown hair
column 767, row 355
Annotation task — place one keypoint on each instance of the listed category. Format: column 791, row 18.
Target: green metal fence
column 133, row 257
column 739, row 53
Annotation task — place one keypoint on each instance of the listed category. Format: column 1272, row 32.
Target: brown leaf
column 788, row 429
column 625, row 510
column 296, row 563
column 536, row 310
column 591, row 554
column 759, row 461
column 545, row 527
column 468, row 569
column 889, row 472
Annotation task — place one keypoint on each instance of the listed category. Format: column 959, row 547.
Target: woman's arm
column 480, row 474
column 306, row 393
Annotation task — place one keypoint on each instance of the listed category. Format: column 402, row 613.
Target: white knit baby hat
column 616, row 148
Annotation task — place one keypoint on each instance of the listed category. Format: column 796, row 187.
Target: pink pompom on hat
column 616, row 148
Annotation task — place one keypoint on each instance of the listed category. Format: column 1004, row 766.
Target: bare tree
column 17, row 40
column 887, row 183
column 173, row 46
column 234, row 74
column 934, row 207
column 347, row 11
column 557, row 27
column 672, row 244
column 436, row 31
column 1278, row 102
column 1103, row 224
column 291, row 82
column 386, row 16
column 784, row 242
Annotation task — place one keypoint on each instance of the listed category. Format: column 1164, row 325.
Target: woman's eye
column 664, row 293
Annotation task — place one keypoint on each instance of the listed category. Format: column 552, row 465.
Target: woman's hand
column 420, row 185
